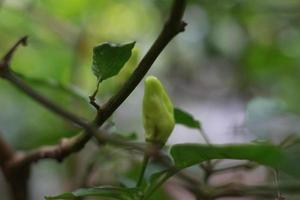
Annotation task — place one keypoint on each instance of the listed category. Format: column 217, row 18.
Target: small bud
column 158, row 112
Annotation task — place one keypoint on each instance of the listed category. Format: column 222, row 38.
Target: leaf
column 105, row 191
column 186, row 155
column 161, row 194
column 156, row 180
column 291, row 161
column 108, row 59
column 156, row 166
column 186, row 119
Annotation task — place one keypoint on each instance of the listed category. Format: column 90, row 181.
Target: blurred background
column 236, row 69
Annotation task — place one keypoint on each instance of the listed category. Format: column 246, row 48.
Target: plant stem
column 93, row 96
column 143, row 170
column 162, row 180
column 205, row 136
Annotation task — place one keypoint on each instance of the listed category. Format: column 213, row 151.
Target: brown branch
column 19, row 164
column 8, row 74
column 22, row 86
column 16, row 177
column 57, row 152
column 5, row 61
column 172, row 27
column 240, row 190
column 8, row 56
column 6, row 152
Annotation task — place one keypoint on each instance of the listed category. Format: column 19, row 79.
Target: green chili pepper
column 158, row 112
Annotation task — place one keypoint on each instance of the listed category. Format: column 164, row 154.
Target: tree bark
column 17, row 180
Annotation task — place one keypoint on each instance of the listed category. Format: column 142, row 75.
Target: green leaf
column 156, row 180
column 105, row 191
column 186, row 119
column 291, row 161
column 108, row 59
column 186, row 155
column 155, row 167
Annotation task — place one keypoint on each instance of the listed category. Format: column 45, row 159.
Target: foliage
column 108, row 59
column 257, row 44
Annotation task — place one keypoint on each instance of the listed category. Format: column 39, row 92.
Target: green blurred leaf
column 155, row 167
column 160, row 194
column 156, row 180
column 105, row 191
column 108, row 59
column 186, row 155
column 291, row 161
column 186, row 119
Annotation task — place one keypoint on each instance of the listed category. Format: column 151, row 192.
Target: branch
column 8, row 56
column 16, row 177
column 57, row 152
column 8, row 74
column 240, row 190
column 53, row 84
column 6, row 153
column 22, row 86
column 172, row 27
column 244, row 166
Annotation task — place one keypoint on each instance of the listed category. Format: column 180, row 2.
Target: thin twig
column 9, row 75
column 22, row 86
column 51, row 83
column 93, row 96
column 8, row 56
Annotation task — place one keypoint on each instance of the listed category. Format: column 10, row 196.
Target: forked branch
column 172, row 27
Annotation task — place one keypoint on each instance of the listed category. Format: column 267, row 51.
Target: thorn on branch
column 182, row 26
column 8, row 56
